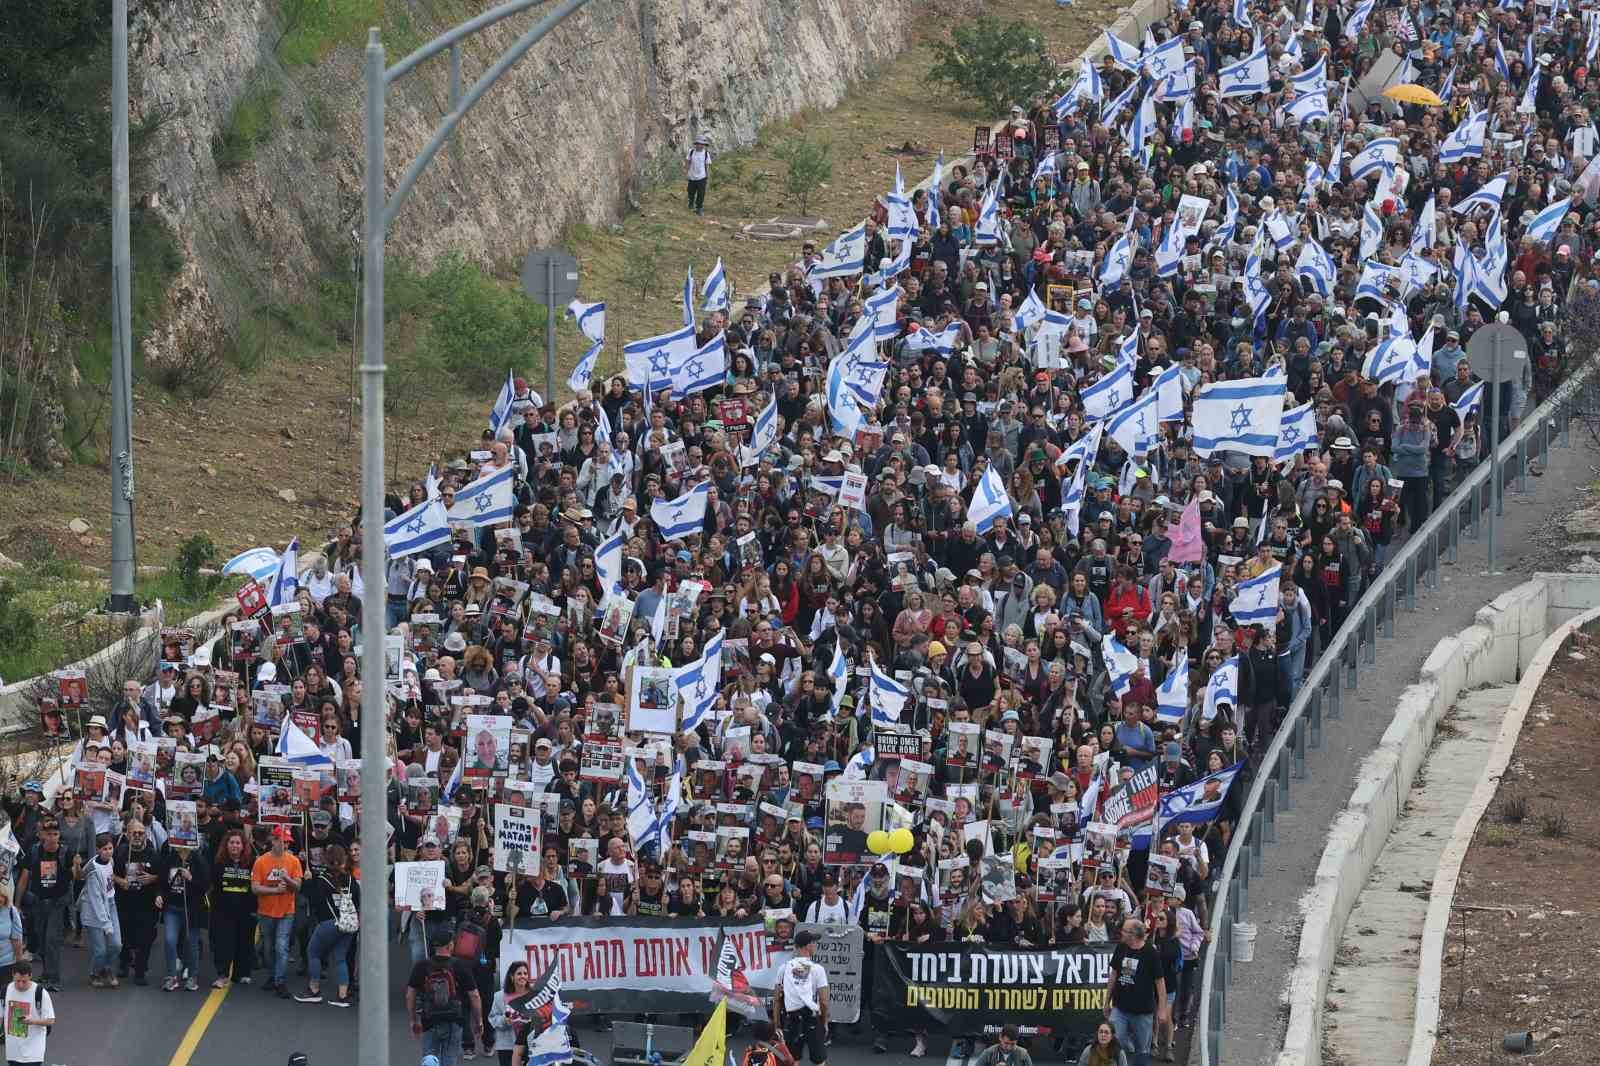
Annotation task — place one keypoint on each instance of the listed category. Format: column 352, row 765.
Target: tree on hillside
column 998, row 64
column 809, row 166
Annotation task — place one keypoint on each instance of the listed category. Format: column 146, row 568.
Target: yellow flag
column 712, row 1047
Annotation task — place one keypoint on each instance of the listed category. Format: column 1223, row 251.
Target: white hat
column 267, row 672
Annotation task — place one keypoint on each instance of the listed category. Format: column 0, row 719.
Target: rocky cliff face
column 609, row 100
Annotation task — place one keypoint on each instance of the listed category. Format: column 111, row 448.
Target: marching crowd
column 1052, row 474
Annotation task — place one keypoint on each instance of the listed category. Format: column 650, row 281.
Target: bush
column 249, row 125
column 19, row 626
column 194, row 555
column 997, row 64
column 477, row 326
column 809, row 165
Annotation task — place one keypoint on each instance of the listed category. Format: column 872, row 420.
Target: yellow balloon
column 901, row 841
column 878, row 842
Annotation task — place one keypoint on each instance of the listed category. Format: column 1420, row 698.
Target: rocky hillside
column 257, row 167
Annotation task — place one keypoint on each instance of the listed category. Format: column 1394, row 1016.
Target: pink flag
column 1187, row 543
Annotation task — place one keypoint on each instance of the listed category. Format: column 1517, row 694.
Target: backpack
column 441, row 1002
column 346, row 918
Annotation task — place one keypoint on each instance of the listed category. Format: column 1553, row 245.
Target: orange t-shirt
column 268, row 870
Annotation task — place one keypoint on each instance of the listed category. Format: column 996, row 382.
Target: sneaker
column 52, row 987
column 920, row 1048
column 308, row 996
column 170, row 984
column 243, row 980
column 469, row 1054
column 339, row 1001
column 191, row 985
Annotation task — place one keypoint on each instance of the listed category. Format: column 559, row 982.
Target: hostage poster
column 969, row 988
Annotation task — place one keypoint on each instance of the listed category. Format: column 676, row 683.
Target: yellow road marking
column 197, row 1028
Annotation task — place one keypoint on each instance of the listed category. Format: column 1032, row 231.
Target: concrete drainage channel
column 1367, row 976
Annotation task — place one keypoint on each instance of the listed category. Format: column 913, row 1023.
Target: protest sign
column 183, row 825
column 419, row 886
column 489, row 746
column 652, row 701
column 855, row 809
column 841, row 951
column 516, row 829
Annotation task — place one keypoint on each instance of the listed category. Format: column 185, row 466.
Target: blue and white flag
column 1316, row 266
column 641, row 815
column 1142, row 126
column 714, row 291
column 1163, row 61
column 430, row 482
column 1116, row 264
column 1120, row 664
column 763, row 434
column 1308, row 107
column 590, row 319
column 1255, row 602
column 1137, row 427
column 1045, row 169
column 650, row 361
column 682, row 517
column 1111, row 393
column 902, row 216
column 706, row 369
column 1199, row 802
column 1470, row 402
column 1371, row 232
column 942, row 343
column 883, row 307
column 934, row 185
column 844, row 257
column 608, row 564
column 1489, row 196
column 1221, row 687
column 258, row 563
column 1029, row 313
column 1114, row 107
column 1297, row 432
column 886, row 695
column 488, row 500
column 989, row 502
column 699, row 683
column 1241, row 14
column 296, row 747
column 1466, row 140
column 1389, row 360
column 1247, row 77
column 987, row 230
column 287, row 577
column 583, row 373
column 1314, row 79
column 1425, row 233
column 424, row 527
column 1172, row 695
column 1358, row 19
column 1545, row 224
column 1122, row 54
column 1168, row 387
column 1230, row 222
column 500, row 416
column 1382, row 153
column 838, row 673
column 688, row 297
column 856, row 770
column 1530, row 95
column 1241, row 416
column 843, row 413
column 1375, row 278
column 1448, row 89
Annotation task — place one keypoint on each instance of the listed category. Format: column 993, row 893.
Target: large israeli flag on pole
column 1221, row 687
column 883, row 307
column 1110, row 393
column 1352, row 28
column 714, row 292
column 500, row 416
column 1247, row 77
column 838, row 673
column 487, row 500
column 989, row 502
column 1137, row 427
column 590, row 318
column 1199, row 801
column 287, row 578
column 1470, row 402
column 843, row 257
column 706, row 369
column 698, row 683
column 763, row 434
column 1241, row 416
column 1172, row 695
column 583, row 373
column 1389, row 360
column 1466, row 139
column 258, row 563
column 424, row 527
column 682, row 517
column 1314, row 79
column 608, row 564
column 1255, row 602
column 1122, row 53
column 886, row 695
column 296, row 747
column 650, row 361
column 1028, row 313
column 1120, row 664
column 1544, row 225
column 1297, row 432
column 1489, row 196
column 843, row 413
column 1380, row 153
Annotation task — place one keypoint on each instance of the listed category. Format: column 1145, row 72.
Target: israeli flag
column 487, row 500
column 1168, row 387
column 1111, row 392
column 1114, row 107
column 1221, row 687
column 430, row 482
column 1230, row 222
column 934, row 184
column 1308, row 107
column 1297, row 432
column 1045, row 169
column 650, row 361
column 882, row 307
column 423, row 528
column 682, row 517
column 1029, row 313
column 1371, row 232
column 688, row 297
column 287, row 577
column 1415, row 272
column 1137, row 427
column 1489, row 279
column 714, row 291
column 699, row 683
column 1122, row 54
column 864, row 377
column 1382, row 153
column 1470, row 402
column 1466, row 140
column 590, row 318
column 987, row 230
column 1545, row 224
column 1172, row 695
column 1143, row 124
column 1448, row 89
column 583, row 373
column 1530, row 95
column 942, row 343
column 902, row 217
column 838, row 673
column 989, row 502
column 1241, row 416
column 1241, row 14
column 706, row 369
column 1466, row 269
column 296, row 747
column 843, row 413
column 1163, row 61
column 856, row 770
column 258, row 563
column 1120, row 664
column 608, row 564
column 844, row 257
column 1312, row 80
column 1247, row 77
column 1375, row 277
column 886, row 695
column 503, row 405
column 1389, row 360
column 1116, row 264
column 1255, row 602
column 1316, row 266
column 1200, row 801
column 642, row 822
column 763, row 434
column 1426, row 232
column 1352, row 28
column 1489, row 196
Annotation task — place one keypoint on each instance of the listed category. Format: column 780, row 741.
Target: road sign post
column 1496, row 352
column 550, row 278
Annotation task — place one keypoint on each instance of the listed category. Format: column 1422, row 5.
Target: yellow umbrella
column 1413, row 94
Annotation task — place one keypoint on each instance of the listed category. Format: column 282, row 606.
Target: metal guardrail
column 1339, row 667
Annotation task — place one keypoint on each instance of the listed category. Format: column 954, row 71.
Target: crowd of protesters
column 1005, row 628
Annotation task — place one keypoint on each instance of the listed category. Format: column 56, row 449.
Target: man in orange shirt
column 275, row 878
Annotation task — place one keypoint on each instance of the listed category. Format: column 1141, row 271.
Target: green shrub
column 194, row 555
column 998, row 64
column 809, row 165
column 249, row 124
column 477, row 326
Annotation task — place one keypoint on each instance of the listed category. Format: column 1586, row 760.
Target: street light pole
column 373, row 1047
column 122, row 548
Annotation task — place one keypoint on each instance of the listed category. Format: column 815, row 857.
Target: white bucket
column 1244, row 941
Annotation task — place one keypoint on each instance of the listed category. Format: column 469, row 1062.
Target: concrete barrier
column 1505, row 640
column 1436, row 926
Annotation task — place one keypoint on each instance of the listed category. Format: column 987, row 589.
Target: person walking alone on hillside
column 699, row 164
